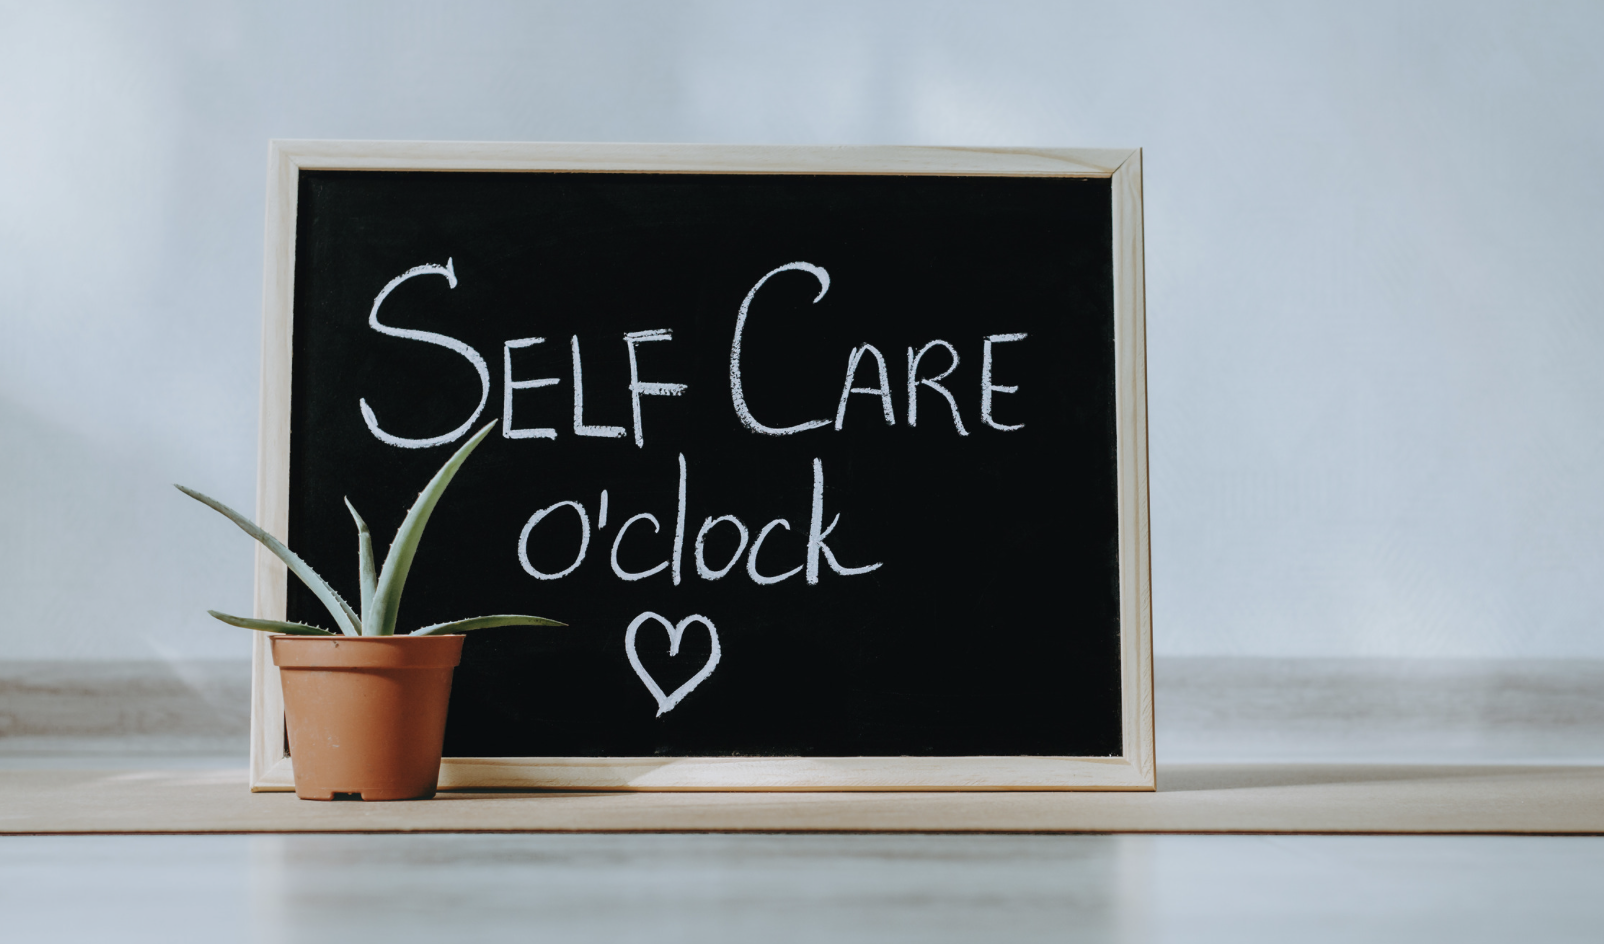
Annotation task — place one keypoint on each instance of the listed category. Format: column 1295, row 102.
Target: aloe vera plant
column 380, row 599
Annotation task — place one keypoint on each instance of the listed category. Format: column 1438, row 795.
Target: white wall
column 1374, row 291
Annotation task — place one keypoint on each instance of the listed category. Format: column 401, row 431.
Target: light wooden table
column 1191, row 799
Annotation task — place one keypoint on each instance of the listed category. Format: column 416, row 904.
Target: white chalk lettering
column 638, row 388
column 536, row 518
column 676, row 631
column 601, row 514
column 751, row 557
column 580, row 429
column 914, row 381
column 883, row 391
column 706, row 572
column 679, row 522
column 816, row 536
column 737, row 391
column 987, row 387
column 508, row 385
column 623, row 530
column 428, row 337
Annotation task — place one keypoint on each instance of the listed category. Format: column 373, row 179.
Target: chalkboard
column 830, row 459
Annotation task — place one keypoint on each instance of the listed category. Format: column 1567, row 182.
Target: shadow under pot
column 366, row 715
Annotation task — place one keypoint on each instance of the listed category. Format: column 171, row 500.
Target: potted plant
column 365, row 709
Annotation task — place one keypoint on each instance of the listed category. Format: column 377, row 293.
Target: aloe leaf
column 338, row 608
column 397, row 563
column 485, row 622
column 271, row 626
column 364, row 562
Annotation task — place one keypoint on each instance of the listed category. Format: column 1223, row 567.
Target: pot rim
column 341, row 638
column 366, row 652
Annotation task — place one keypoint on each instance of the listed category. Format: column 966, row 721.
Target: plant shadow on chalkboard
column 365, row 709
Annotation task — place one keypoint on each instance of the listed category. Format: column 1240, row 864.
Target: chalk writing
column 676, row 632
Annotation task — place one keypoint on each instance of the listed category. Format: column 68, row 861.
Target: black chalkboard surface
column 815, row 464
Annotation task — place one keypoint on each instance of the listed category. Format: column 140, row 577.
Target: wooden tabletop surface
column 1190, row 799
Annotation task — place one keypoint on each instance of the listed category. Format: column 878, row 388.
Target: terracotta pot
column 366, row 714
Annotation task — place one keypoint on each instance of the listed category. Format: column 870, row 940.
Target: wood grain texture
column 270, row 767
column 1191, row 799
column 701, row 158
column 771, row 774
column 268, row 746
column 1135, row 554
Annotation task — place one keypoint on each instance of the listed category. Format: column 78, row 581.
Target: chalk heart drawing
column 676, row 631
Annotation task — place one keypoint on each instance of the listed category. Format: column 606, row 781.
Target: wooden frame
column 1134, row 770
